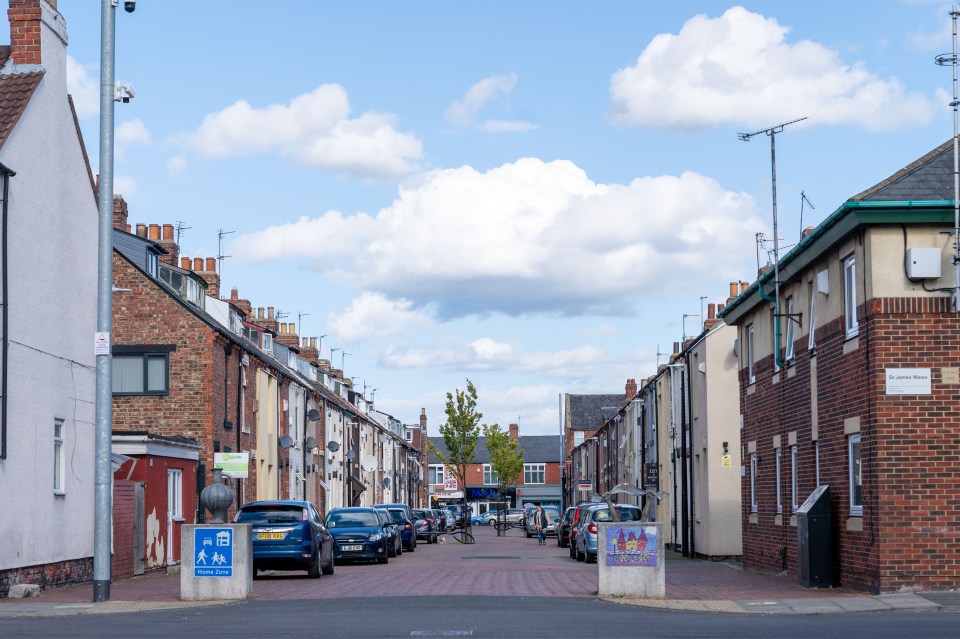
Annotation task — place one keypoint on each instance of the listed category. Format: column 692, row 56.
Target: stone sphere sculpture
column 217, row 497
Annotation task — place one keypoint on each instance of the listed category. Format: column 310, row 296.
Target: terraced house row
column 844, row 389
column 195, row 374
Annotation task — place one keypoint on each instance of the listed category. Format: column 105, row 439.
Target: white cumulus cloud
column 740, row 69
column 316, row 130
column 526, row 237
column 84, row 89
column 373, row 315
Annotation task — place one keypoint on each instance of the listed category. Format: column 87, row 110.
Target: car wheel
column 314, row 570
column 399, row 549
column 581, row 556
column 392, row 550
column 383, row 560
column 329, row 568
column 590, row 558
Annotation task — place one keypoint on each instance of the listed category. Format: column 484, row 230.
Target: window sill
column 59, row 493
column 851, row 344
column 855, row 523
column 753, row 518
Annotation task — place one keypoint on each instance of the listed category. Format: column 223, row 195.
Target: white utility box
column 923, row 263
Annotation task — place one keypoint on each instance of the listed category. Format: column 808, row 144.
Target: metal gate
column 139, row 539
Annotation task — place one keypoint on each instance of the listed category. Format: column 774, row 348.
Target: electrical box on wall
column 923, row 263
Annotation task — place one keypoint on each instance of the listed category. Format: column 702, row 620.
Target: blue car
column 288, row 535
column 403, row 517
column 359, row 533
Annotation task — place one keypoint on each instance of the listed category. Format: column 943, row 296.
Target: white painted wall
column 52, row 277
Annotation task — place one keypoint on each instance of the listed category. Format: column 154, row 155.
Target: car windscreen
column 625, row 514
column 398, row 515
column 270, row 514
column 352, row 519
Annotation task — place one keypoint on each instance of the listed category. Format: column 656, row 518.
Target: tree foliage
column 505, row 459
column 460, row 433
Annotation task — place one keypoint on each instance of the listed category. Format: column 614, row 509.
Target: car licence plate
column 350, row 548
column 271, row 535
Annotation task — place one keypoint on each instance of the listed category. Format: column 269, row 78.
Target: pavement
column 510, row 565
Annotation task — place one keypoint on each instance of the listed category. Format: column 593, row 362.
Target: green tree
column 505, row 459
column 460, row 433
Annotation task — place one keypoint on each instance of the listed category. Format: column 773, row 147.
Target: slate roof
column 16, row 89
column 588, row 412
column 537, row 449
column 928, row 178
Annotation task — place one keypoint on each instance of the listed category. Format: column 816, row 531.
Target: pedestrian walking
column 540, row 522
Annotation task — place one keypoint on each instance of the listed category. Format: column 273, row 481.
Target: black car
column 288, row 535
column 395, row 547
column 563, row 527
column 360, row 533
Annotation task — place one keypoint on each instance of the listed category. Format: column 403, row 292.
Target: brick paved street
column 506, row 566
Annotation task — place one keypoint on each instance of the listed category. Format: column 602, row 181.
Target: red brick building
column 852, row 381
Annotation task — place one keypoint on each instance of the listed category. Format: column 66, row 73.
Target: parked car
column 510, row 515
column 360, row 533
column 425, row 523
column 578, row 512
column 586, row 539
column 395, row 544
column 449, row 520
column 400, row 513
column 461, row 514
column 563, row 527
column 552, row 512
column 288, row 535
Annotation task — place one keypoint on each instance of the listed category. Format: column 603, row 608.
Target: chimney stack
column 26, row 19
column 240, row 304
column 288, row 336
column 168, row 242
column 308, row 349
column 120, row 212
column 631, row 388
column 514, row 432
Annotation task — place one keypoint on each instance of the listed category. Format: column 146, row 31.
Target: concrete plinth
column 217, row 562
column 630, row 560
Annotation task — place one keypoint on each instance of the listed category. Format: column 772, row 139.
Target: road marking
column 441, row 633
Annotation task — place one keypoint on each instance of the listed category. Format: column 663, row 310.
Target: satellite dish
column 386, row 482
column 333, row 446
column 351, row 455
column 311, row 443
column 313, row 414
column 286, row 441
column 368, row 463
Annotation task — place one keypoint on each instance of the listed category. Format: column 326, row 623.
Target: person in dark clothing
column 540, row 522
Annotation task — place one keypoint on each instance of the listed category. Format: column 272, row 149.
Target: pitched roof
column 537, row 449
column 588, row 412
column 928, row 178
column 16, row 90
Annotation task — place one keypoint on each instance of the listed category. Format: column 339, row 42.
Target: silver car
column 586, row 540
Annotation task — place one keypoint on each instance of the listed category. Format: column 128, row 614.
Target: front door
column 174, row 511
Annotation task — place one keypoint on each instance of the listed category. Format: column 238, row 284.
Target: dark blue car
column 288, row 535
column 359, row 533
column 404, row 519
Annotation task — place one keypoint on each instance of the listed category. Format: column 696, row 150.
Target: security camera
column 123, row 92
column 130, row 6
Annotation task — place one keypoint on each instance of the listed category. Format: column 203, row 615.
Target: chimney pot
column 141, row 230
column 234, row 293
column 711, row 311
column 168, row 232
column 198, row 263
column 269, row 312
column 185, row 263
column 154, row 231
column 734, row 288
column 260, row 314
column 212, row 264
column 744, row 286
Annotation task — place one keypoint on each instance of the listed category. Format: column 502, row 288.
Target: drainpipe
column 684, row 514
column 239, row 426
column 690, row 503
column 7, row 174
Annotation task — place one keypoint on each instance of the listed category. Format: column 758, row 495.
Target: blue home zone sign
column 212, row 552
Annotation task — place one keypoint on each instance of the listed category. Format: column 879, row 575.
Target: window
column 141, row 370
column 779, row 493
column 793, row 479
column 175, row 492
column 749, row 340
column 578, row 436
column 753, row 482
column 856, row 476
column 816, row 454
column 490, row 476
column 408, row 434
column 267, row 342
column 850, row 296
column 789, row 332
column 811, row 341
column 58, row 456
column 775, row 323
column 534, row 473
column 152, row 264
column 436, row 474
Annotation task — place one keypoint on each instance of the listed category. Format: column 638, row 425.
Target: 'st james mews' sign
column 907, row 381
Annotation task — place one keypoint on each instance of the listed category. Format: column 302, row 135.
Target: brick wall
column 58, row 573
column 910, row 449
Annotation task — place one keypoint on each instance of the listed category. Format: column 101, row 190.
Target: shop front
column 543, row 494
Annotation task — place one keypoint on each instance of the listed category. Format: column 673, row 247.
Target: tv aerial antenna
column 943, row 60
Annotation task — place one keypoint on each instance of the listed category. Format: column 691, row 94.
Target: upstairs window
column 749, row 353
column 811, row 340
column 789, row 336
column 141, row 370
column 534, row 473
column 850, row 296
column 490, row 476
column 436, row 474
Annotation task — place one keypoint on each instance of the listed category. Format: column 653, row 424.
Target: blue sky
column 531, row 195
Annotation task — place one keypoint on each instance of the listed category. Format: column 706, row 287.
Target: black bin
column 814, row 556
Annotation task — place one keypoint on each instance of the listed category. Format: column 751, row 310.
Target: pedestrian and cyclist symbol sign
column 213, row 552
